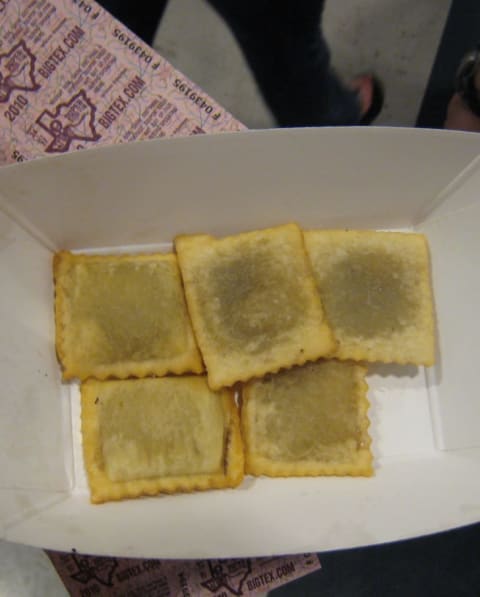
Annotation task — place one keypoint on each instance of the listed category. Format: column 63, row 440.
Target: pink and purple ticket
column 72, row 77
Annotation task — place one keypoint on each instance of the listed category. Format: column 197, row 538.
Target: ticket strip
column 72, row 77
column 89, row 575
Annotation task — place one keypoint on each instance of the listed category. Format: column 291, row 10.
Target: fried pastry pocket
column 308, row 421
column 122, row 315
column 376, row 292
column 159, row 435
column 253, row 302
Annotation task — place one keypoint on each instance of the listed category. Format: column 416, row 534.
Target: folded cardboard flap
column 270, row 516
column 33, row 417
column 452, row 230
column 20, row 505
column 147, row 192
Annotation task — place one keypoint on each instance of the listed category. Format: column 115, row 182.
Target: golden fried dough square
column 253, row 302
column 120, row 316
column 159, row 435
column 376, row 292
column 308, row 421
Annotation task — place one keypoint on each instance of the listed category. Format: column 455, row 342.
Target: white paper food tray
column 425, row 426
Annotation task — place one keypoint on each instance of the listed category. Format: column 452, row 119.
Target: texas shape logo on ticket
column 90, row 568
column 72, row 120
column 17, row 71
column 228, row 574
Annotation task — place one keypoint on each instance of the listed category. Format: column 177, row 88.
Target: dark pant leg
column 285, row 49
column 140, row 16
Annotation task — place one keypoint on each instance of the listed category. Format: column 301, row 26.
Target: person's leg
column 142, row 16
column 463, row 111
column 285, row 49
column 460, row 117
